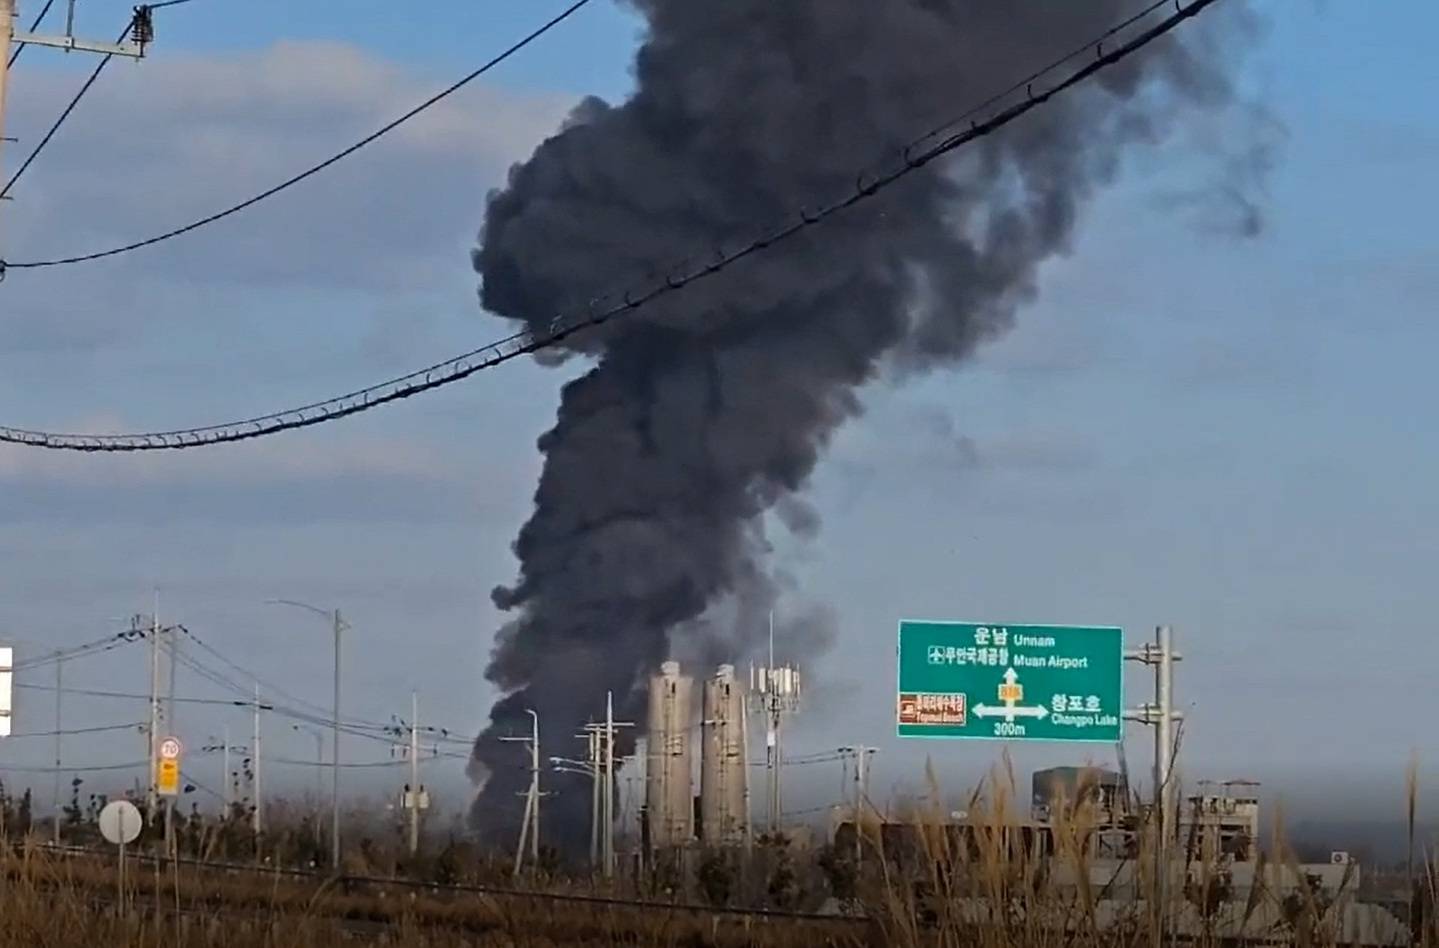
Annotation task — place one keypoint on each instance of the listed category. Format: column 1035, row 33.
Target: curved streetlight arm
column 326, row 613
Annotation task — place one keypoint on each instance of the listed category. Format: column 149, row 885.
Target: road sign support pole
column 1160, row 715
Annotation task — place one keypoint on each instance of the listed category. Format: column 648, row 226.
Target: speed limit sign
column 170, row 748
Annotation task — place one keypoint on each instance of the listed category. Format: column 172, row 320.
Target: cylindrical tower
column 723, row 770
column 669, row 780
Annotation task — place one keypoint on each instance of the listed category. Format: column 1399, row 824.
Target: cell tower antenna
column 774, row 692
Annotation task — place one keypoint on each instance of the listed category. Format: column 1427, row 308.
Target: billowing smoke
column 706, row 411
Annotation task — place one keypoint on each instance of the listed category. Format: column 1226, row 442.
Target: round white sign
column 170, row 748
column 120, row 822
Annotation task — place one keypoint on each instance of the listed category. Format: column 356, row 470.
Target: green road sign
column 1010, row 682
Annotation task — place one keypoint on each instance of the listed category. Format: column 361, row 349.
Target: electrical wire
column 270, row 686
column 361, row 765
column 8, row 768
column 228, row 684
column 96, row 693
column 321, row 714
column 191, row 781
column 33, row 27
column 315, row 169
column 912, row 158
column 97, row 647
column 55, row 127
column 218, row 678
column 67, row 732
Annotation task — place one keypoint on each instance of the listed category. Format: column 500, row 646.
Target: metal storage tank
column 724, row 787
column 669, row 774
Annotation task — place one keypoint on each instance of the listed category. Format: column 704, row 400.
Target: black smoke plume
column 705, row 411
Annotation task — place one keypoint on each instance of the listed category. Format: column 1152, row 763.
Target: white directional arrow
column 1009, row 693
column 1010, row 711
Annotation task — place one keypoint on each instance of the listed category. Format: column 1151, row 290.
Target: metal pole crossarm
column 1150, row 714
column 72, row 44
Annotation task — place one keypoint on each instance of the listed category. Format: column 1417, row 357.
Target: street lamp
column 339, row 625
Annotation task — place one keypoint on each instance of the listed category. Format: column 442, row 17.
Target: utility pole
column 172, row 650
column 141, row 33
column 593, row 759
column 609, row 787
column 335, row 756
column 229, row 794
column 7, row 34
column 59, row 727
column 602, row 761
column 861, row 755
column 255, row 765
column 530, row 824
column 151, row 794
column 1162, row 717
column 412, row 792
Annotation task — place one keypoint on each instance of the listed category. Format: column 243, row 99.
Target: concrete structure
column 669, row 771
column 1063, row 789
column 724, row 782
column 1222, row 823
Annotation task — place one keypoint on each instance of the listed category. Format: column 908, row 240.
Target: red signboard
column 930, row 708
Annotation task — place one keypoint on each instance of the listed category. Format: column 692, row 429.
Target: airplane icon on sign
column 936, row 655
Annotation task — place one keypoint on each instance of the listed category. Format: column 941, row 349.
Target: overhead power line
column 914, row 157
column 99, row 693
column 272, row 688
column 314, row 169
column 97, row 647
column 20, row 47
column 8, row 768
column 55, row 127
column 68, row 732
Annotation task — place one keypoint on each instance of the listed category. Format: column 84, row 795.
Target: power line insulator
column 142, row 27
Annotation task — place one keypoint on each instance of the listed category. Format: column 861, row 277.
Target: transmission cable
column 97, row 647
column 868, row 183
column 55, row 127
column 69, row 732
column 315, row 169
column 33, row 27
column 271, row 686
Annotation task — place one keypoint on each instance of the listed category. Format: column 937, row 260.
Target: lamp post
column 338, row 626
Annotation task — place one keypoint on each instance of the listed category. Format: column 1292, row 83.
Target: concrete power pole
column 335, row 756
column 861, row 755
column 412, row 792
column 258, row 819
column 530, row 824
column 59, row 728
column 593, row 759
column 151, row 793
column 7, row 35
column 172, row 650
column 1160, row 714
column 229, row 795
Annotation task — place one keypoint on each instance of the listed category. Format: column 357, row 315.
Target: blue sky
column 1234, row 437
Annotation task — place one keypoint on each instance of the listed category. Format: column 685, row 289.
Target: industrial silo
column 724, row 791
column 669, row 780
